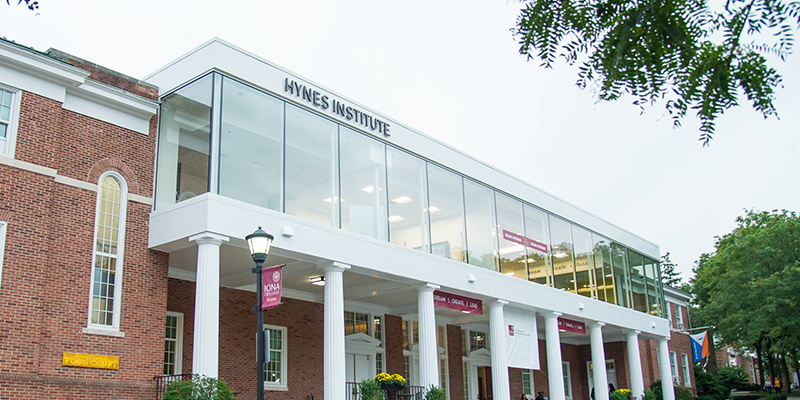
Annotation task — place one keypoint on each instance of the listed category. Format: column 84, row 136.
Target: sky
column 451, row 70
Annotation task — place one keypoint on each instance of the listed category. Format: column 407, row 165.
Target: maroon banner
column 571, row 326
column 271, row 280
column 456, row 302
column 525, row 241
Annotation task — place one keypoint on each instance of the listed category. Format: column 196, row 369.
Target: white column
column 667, row 387
column 428, row 353
column 497, row 334
column 205, row 353
column 555, row 373
column 598, row 361
column 333, row 333
column 635, row 364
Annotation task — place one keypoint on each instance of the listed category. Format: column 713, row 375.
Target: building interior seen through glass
column 314, row 168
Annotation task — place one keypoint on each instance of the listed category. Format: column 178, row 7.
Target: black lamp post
column 259, row 242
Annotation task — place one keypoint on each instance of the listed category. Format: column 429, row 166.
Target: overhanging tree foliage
column 684, row 52
column 750, row 286
column 669, row 275
column 32, row 5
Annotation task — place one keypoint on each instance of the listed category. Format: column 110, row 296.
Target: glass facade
column 222, row 136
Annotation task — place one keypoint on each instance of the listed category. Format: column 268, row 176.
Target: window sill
column 103, row 332
column 275, row 388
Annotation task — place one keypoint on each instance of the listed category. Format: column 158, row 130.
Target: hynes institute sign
column 330, row 105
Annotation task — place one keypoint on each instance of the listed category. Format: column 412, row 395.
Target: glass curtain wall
column 536, row 232
column 622, row 285
column 481, row 226
column 446, row 212
column 407, row 204
column 653, row 276
column 251, row 145
column 638, row 288
column 311, row 162
column 584, row 260
column 184, row 143
column 561, row 248
column 511, row 234
column 220, row 135
column 363, row 184
column 603, row 272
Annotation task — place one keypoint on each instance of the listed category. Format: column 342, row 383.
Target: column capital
column 550, row 314
column 427, row 287
column 633, row 333
column 209, row 238
column 597, row 324
column 498, row 303
column 664, row 339
column 334, row 267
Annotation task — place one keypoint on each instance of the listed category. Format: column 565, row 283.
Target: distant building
column 124, row 204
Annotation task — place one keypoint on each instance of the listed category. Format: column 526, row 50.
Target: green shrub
column 731, row 377
column 708, row 387
column 199, row 388
column 370, row 389
column 748, row 396
column 435, row 393
column 621, row 394
column 649, row 395
column 775, row 396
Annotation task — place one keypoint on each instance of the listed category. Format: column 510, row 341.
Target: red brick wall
column 237, row 362
column 393, row 340
column 680, row 343
column 455, row 364
column 48, row 259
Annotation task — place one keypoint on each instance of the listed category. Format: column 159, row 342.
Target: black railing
column 162, row 382
column 408, row 392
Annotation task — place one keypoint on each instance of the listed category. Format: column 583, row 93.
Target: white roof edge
column 48, row 67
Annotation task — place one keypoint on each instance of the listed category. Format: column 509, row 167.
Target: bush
column 732, row 377
column 621, row 394
column 775, row 397
column 708, row 387
column 680, row 393
column 436, row 393
column 370, row 389
column 649, row 395
column 199, row 388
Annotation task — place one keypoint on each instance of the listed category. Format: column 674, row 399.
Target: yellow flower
column 398, row 379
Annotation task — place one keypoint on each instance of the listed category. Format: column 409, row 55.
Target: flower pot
column 391, row 387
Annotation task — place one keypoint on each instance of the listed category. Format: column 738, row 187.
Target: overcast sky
column 451, row 70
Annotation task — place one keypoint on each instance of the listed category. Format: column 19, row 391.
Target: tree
column 683, row 52
column 750, row 286
column 32, row 5
column 668, row 273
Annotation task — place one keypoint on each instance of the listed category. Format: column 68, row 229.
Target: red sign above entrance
column 569, row 325
column 456, row 302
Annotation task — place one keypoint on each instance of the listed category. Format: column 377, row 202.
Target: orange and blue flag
column 700, row 347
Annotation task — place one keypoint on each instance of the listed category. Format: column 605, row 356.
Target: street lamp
column 259, row 242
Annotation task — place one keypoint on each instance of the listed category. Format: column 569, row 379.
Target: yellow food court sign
column 90, row 361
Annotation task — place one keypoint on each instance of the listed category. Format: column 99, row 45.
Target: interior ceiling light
column 395, row 218
column 330, row 199
column 370, row 189
column 434, row 209
column 403, row 200
column 318, row 281
column 561, row 255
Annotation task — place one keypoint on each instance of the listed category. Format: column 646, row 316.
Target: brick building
column 125, row 203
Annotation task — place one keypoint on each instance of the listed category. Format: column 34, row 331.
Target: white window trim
column 178, row 342
column 568, row 378
column 687, row 377
column 112, row 330
column 284, row 357
column 679, row 317
column 673, row 361
column 3, row 228
column 13, row 122
column 530, row 391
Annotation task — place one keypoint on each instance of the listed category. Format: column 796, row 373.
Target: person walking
column 778, row 385
column 768, row 385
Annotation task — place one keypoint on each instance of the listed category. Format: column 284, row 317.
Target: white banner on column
column 522, row 341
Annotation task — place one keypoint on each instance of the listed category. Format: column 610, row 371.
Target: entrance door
column 485, row 383
column 357, row 367
column 611, row 374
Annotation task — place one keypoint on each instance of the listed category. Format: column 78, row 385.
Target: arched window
column 109, row 237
